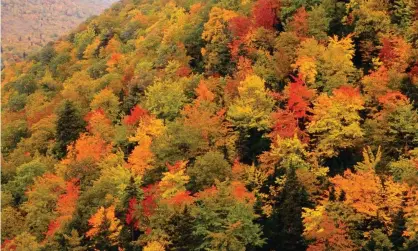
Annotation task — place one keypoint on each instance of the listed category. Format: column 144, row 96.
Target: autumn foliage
column 216, row 125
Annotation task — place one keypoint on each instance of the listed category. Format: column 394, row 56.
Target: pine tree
column 397, row 237
column 69, row 125
column 180, row 232
column 285, row 228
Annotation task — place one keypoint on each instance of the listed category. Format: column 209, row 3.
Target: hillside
column 217, row 125
column 29, row 24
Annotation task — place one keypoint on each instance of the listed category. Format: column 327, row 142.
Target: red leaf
column 264, row 13
column 136, row 114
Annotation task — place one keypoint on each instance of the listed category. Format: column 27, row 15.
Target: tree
column 25, row 175
column 92, row 50
column 154, row 246
column 264, row 13
column 376, row 84
column 42, row 198
column 87, row 148
column 284, row 228
column 319, row 22
column 74, row 241
column 299, row 97
column 178, row 142
column 397, row 120
column 207, row 169
column 225, row 221
column 66, row 206
column 216, row 54
column 326, row 233
column 335, row 122
column 13, row 222
column 253, row 106
column 205, row 116
column 108, row 188
column 100, row 125
column 105, row 228
column 69, row 125
column 328, row 67
column 285, row 153
column 135, row 116
column 84, row 158
column 307, row 56
column 368, row 194
column 299, row 23
column 369, row 21
column 108, row 102
column 165, row 105
column 337, row 67
column 24, row 241
column 149, row 127
column 394, row 53
column 181, row 238
column 25, row 84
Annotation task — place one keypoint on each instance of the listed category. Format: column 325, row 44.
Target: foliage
column 69, row 125
column 207, row 169
column 215, row 125
column 225, row 221
column 251, row 108
column 337, row 116
column 165, row 105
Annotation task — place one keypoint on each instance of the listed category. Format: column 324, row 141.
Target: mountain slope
column 27, row 25
column 217, row 125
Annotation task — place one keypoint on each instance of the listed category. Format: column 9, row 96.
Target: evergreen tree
column 285, row 228
column 69, row 125
column 397, row 237
column 180, row 231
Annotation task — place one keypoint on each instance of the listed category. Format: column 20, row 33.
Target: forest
column 27, row 25
column 224, row 125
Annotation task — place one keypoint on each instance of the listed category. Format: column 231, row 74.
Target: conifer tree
column 68, row 127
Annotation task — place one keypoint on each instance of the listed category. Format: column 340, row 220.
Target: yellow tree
column 326, row 67
column 104, row 222
column 107, row 101
column 174, row 181
column 216, row 54
column 142, row 158
column 253, row 106
column 335, row 123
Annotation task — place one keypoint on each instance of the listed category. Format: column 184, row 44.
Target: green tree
column 165, row 99
column 69, row 125
column 25, row 84
column 23, row 242
column 177, row 143
column 398, row 121
column 73, row 241
column 284, row 228
column 25, row 175
column 12, row 134
column 225, row 221
column 207, row 169
column 318, row 23
column 41, row 203
column 108, row 102
column 179, row 226
column 13, row 222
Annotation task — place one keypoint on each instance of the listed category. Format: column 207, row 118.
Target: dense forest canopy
column 28, row 25
column 217, row 125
